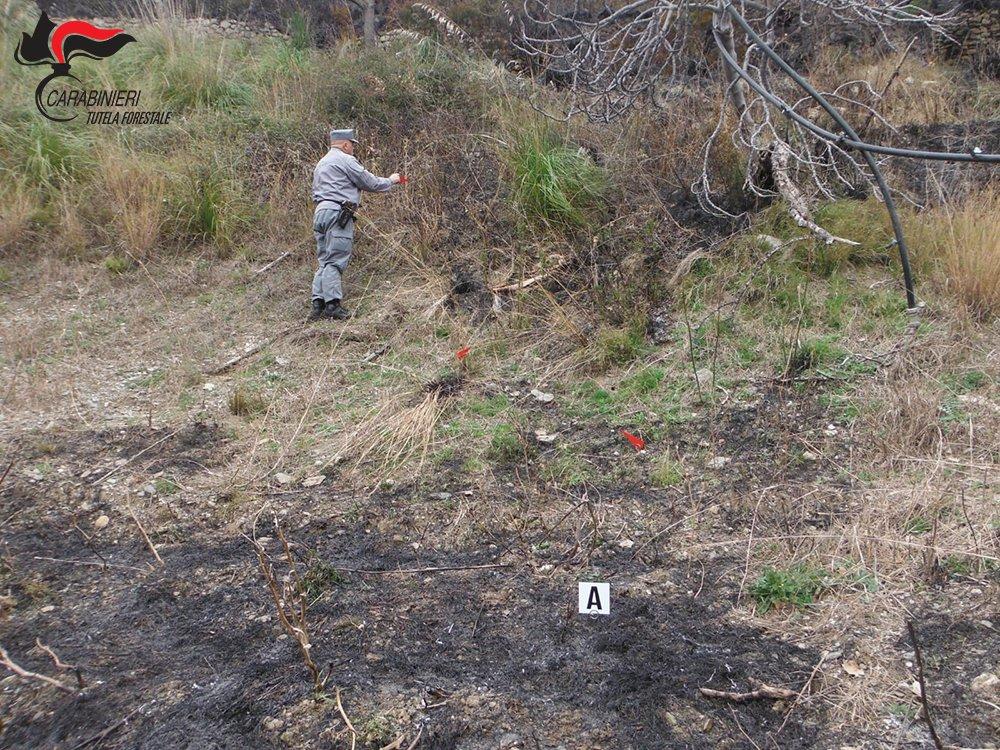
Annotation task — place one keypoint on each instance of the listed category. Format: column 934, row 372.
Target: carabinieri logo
column 57, row 44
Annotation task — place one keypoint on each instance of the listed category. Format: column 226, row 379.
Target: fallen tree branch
column 559, row 262
column 27, row 674
column 273, row 263
column 434, row 306
column 300, row 332
column 104, row 733
column 760, row 691
column 231, row 363
column 797, row 205
column 347, row 722
column 6, row 472
column 91, row 563
column 805, row 689
column 421, row 570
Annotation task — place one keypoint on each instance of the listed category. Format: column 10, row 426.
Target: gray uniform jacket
column 339, row 177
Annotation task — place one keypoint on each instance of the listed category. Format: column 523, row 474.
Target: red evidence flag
column 637, row 442
column 462, row 353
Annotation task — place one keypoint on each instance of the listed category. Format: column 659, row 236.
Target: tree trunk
column 369, row 23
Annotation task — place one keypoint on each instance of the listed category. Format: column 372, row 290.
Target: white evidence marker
column 595, row 598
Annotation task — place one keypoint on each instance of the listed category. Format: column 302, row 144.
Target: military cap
column 343, row 135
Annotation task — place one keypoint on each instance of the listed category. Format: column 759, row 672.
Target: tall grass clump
column 964, row 242
column 554, row 182
column 18, row 206
column 46, row 154
column 208, row 205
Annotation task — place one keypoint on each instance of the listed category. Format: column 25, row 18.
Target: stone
column 987, row 684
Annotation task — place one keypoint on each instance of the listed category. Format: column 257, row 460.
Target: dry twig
column 60, row 664
column 923, row 686
column 760, row 691
column 347, row 722
column 145, row 536
column 27, row 674
column 273, row 263
column 115, row 470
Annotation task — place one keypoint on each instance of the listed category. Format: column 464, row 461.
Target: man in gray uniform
column 338, row 181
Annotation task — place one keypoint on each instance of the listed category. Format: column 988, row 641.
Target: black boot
column 335, row 311
column 317, row 310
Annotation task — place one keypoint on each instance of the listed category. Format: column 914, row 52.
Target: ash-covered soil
column 190, row 654
column 443, row 610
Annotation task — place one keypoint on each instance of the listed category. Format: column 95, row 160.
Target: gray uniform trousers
column 333, row 248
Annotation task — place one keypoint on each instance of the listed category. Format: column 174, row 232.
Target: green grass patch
column 506, row 444
column 566, row 467
column 666, row 472
column 554, row 182
column 614, row 347
column 116, row 265
column 165, row 486
column 797, row 586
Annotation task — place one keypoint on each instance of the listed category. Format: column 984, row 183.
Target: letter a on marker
column 594, row 598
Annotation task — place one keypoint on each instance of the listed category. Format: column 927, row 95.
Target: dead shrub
column 244, row 402
column 908, row 422
column 136, row 199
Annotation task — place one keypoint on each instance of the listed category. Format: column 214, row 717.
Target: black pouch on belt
column 347, row 209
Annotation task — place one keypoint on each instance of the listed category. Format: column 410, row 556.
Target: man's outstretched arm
column 365, row 180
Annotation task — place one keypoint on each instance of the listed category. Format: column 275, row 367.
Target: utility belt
column 348, row 211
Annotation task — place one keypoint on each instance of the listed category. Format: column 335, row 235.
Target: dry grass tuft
column 17, row 207
column 966, row 239
column 909, row 422
column 391, row 437
column 136, row 199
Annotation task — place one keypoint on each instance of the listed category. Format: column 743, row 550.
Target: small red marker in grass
column 462, row 353
column 403, row 179
column 637, row 442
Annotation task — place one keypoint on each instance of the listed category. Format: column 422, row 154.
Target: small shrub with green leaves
column 506, row 444
column 797, row 586
column 116, row 264
column 165, row 486
column 320, row 577
column 617, row 347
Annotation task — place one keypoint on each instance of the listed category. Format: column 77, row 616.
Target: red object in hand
column 637, row 442
column 462, row 353
column 403, row 179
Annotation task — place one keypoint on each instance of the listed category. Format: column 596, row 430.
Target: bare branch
column 26, row 674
